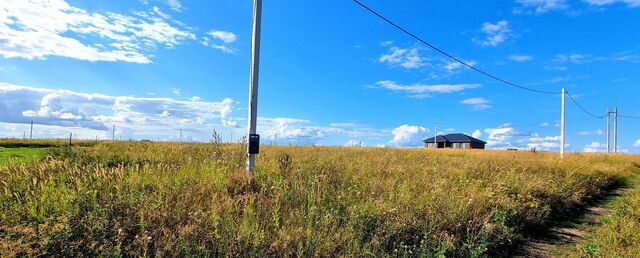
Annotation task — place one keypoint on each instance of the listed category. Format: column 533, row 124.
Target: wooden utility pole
column 562, row 124
column 254, row 139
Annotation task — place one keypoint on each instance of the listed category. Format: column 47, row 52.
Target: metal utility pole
column 615, row 133
column 31, row 132
column 254, row 139
column 180, row 136
column 562, row 124
column 113, row 133
column 608, row 130
column 435, row 136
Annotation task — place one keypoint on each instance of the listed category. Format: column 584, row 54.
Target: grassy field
column 163, row 199
column 21, row 155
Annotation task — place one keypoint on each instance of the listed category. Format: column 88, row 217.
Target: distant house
column 454, row 141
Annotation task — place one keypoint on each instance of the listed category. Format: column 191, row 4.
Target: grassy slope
column 161, row 199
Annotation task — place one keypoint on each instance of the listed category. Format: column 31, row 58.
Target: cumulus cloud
column 476, row 134
column 56, row 107
column 423, row 90
column 495, row 33
column 508, row 137
column 408, row 136
column 637, row 144
column 38, row 29
column 540, row 6
column 548, row 143
column 595, row 147
column 305, row 132
column 409, row 58
column 477, row 103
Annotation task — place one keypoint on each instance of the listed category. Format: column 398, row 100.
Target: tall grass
column 153, row 199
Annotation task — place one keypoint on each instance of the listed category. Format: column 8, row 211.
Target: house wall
column 477, row 145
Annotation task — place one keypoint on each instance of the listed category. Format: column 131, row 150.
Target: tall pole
column 562, row 124
column 253, row 81
column 608, row 130
column 615, row 133
column 435, row 136
column 31, row 132
column 113, row 133
column 180, row 135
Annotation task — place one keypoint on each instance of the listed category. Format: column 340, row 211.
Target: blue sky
column 331, row 73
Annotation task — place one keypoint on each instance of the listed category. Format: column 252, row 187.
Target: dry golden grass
column 152, row 199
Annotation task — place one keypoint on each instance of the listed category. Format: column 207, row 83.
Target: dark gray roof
column 454, row 137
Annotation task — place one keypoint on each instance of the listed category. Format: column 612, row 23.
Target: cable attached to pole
column 450, row 55
column 582, row 108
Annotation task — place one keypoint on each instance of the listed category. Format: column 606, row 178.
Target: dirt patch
column 568, row 234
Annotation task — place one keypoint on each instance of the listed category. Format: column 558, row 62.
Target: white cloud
column 571, row 58
column 305, row 132
column 637, row 144
column 496, row 33
column 409, row 58
column 408, row 136
column 56, row 107
column 589, row 133
column 595, row 147
column 520, row 58
column 454, row 66
column 476, row 134
column 353, row 143
column 549, row 143
column 477, row 103
column 225, row 36
column 38, row 29
column 422, row 90
column 630, row 3
column 174, row 4
column 540, row 6
column 508, row 137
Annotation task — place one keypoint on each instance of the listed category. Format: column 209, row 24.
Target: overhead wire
column 450, row 55
column 582, row 108
column 634, row 117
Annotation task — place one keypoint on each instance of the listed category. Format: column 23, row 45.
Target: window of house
column 464, row 145
column 455, row 145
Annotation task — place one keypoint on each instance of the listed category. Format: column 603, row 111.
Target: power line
column 634, row 117
column 449, row 55
column 582, row 108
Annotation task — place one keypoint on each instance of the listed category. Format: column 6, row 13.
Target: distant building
column 454, row 141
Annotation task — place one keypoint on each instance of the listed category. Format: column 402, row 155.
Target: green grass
column 618, row 235
column 21, row 155
column 163, row 199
